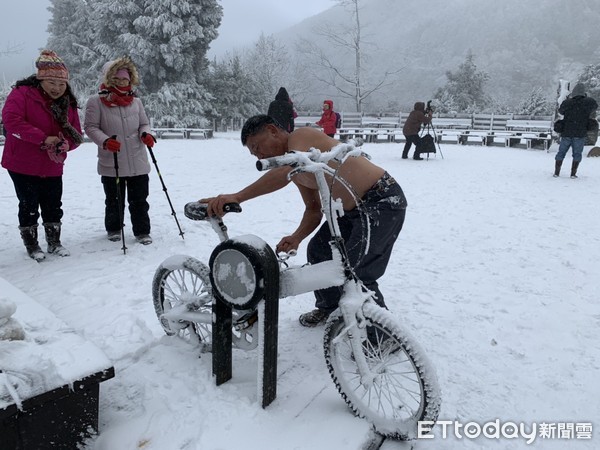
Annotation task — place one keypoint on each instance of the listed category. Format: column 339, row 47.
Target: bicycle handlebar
column 297, row 158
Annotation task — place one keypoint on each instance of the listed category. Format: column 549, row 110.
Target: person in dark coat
column 577, row 110
column 282, row 110
column 411, row 128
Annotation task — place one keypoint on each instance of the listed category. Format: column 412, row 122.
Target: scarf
column 59, row 109
column 113, row 96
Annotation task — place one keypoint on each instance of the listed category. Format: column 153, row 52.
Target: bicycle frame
column 354, row 294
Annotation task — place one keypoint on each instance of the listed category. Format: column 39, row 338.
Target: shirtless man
column 382, row 203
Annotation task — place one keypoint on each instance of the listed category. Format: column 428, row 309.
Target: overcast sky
column 24, row 24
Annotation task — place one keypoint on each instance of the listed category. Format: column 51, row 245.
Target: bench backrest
column 451, row 122
column 529, row 125
column 351, row 119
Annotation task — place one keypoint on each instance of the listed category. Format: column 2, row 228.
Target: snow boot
column 574, row 167
column 30, row 239
column 557, row 166
column 53, row 239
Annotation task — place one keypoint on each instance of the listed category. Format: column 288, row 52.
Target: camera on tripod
column 429, row 109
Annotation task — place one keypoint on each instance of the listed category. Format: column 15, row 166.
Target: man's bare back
column 360, row 173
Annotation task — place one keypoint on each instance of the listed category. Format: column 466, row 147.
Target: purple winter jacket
column 28, row 122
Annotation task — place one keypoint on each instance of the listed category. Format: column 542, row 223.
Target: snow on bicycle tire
column 405, row 389
column 183, row 280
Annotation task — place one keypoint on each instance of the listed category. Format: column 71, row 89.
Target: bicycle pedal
column 246, row 321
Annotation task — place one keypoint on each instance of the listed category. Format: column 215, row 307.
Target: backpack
column 426, row 144
column 338, row 120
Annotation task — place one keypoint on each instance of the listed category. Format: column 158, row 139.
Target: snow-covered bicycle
column 378, row 368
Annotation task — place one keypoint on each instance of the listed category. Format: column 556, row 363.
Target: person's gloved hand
column 62, row 146
column 55, row 155
column 111, row 144
column 148, row 139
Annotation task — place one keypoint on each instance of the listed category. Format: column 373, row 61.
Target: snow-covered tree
column 234, row 92
column 535, row 104
column 268, row 65
column 348, row 39
column 591, row 80
column 72, row 36
column 167, row 40
column 465, row 87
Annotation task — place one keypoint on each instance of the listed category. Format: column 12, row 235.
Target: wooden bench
column 544, row 126
column 451, row 123
column 183, row 133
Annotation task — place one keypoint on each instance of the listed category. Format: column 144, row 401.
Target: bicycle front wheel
column 402, row 388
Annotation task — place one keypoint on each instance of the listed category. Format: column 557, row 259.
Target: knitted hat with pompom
column 51, row 67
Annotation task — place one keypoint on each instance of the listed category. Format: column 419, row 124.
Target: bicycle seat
column 197, row 210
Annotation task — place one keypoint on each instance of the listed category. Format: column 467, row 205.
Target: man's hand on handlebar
column 216, row 204
column 288, row 244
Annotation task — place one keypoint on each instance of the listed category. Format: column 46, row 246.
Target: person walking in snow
column 577, row 110
column 381, row 214
column 116, row 121
column 411, row 128
column 42, row 125
column 282, row 110
column 328, row 119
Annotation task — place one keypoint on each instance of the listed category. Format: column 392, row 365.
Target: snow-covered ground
column 495, row 273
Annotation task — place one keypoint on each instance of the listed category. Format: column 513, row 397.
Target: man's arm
column 271, row 181
column 310, row 220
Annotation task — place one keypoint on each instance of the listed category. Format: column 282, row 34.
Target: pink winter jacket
column 28, row 122
column 127, row 123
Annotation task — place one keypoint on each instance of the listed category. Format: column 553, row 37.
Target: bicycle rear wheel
column 404, row 390
column 179, row 281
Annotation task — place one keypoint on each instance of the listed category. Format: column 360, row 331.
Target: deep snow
column 495, row 274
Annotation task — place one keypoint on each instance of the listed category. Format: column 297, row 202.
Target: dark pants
column 38, row 193
column 137, row 193
column 385, row 207
column 412, row 139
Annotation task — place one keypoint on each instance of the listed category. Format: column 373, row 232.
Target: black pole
column 118, row 185
column 165, row 191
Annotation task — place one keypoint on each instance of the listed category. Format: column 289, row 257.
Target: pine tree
column 591, row 80
column 234, row 92
column 535, row 104
column 465, row 87
column 72, row 37
column 167, row 40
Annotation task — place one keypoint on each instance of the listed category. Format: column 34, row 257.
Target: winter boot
column 53, row 239
column 405, row 155
column 557, row 166
column 574, row 167
column 30, row 239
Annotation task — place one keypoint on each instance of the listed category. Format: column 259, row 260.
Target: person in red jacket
column 42, row 125
column 328, row 119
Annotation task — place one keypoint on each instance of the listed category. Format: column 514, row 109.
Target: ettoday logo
column 504, row 430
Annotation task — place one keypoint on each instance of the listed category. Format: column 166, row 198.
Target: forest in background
column 468, row 55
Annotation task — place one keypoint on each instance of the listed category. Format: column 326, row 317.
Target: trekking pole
column 165, row 191
column 118, row 185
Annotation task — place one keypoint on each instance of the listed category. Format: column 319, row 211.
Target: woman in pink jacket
column 42, row 125
column 328, row 119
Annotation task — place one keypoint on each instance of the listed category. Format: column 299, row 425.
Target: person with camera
column 417, row 117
